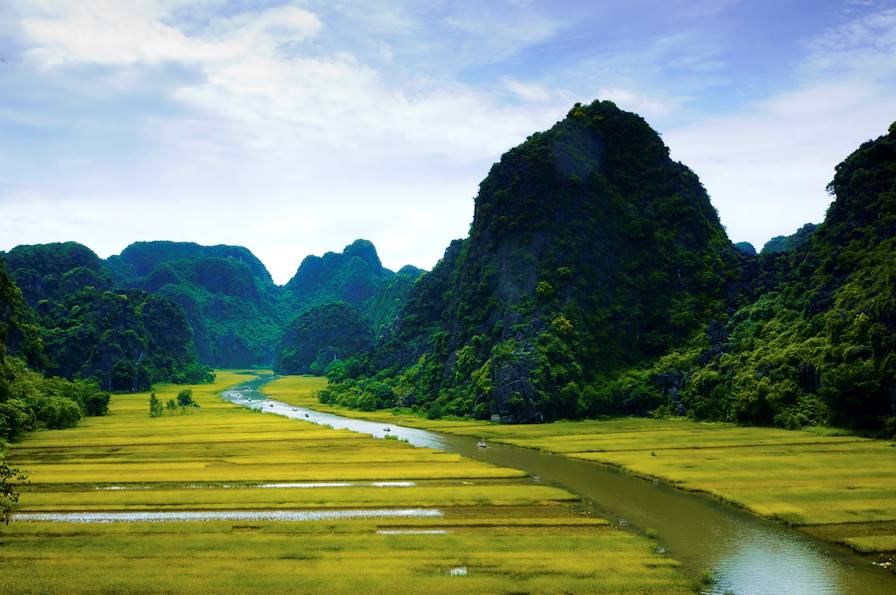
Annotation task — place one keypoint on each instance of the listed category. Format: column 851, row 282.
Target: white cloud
column 290, row 131
column 314, row 144
column 528, row 91
column 650, row 107
column 767, row 165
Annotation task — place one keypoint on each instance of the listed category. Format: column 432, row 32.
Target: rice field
column 366, row 515
column 841, row 488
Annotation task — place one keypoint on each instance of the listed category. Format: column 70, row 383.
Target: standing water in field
column 745, row 554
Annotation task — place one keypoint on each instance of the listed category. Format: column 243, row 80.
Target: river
column 746, row 554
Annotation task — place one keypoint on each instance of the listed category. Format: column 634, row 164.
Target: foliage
column 11, row 480
column 817, row 346
column 83, row 328
column 185, row 398
column 234, row 309
column 321, row 336
column 28, row 400
column 155, row 405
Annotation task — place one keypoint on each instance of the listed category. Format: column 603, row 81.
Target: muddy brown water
column 746, row 554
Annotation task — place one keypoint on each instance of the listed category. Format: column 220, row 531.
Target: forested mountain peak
column 49, row 271
column 366, row 251
column 590, row 250
column 141, row 258
column 797, row 239
column 332, row 269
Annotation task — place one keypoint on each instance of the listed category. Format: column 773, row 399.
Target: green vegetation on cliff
column 598, row 280
column 356, row 277
column 230, row 301
column 321, row 336
column 818, row 345
column 590, row 251
column 86, row 328
column 29, row 401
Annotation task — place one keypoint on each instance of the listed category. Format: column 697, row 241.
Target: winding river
column 745, row 553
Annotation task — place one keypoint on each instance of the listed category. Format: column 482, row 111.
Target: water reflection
column 227, row 515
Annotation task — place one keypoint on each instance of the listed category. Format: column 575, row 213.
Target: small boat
column 306, row 415
column 294, row 409
column 386, row 429
column 481, row 444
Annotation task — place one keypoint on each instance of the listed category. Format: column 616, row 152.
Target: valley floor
column 420, row 520
column 840, row 488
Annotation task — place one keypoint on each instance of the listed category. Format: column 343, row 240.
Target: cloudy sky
column 293, row 128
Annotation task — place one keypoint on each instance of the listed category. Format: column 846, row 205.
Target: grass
column 509, row 533
column 822, row 480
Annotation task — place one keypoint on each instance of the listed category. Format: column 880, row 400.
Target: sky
column 293, row 128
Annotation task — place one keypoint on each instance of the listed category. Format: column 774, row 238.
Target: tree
column 171, row 406
column 185, row 398
column 155, row 406
column 10, row 480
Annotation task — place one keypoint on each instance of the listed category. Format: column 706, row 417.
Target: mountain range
column 596, row 279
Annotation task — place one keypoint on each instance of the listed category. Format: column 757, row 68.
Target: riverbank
column 289, row 506
column 839, row 488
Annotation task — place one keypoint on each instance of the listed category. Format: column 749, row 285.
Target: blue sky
column 295, row 127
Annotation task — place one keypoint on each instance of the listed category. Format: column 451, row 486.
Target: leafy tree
column 155, row 406
column 185, row 398
column 11, row 479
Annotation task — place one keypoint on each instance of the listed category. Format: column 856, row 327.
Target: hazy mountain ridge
column 237, row 315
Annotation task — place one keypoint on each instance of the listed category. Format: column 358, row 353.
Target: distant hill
column 236, row 316
column 52, row 271
column 236, row 312
column 746, row 248
column 141, row 258
column 789, row 243
column 357, row 277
